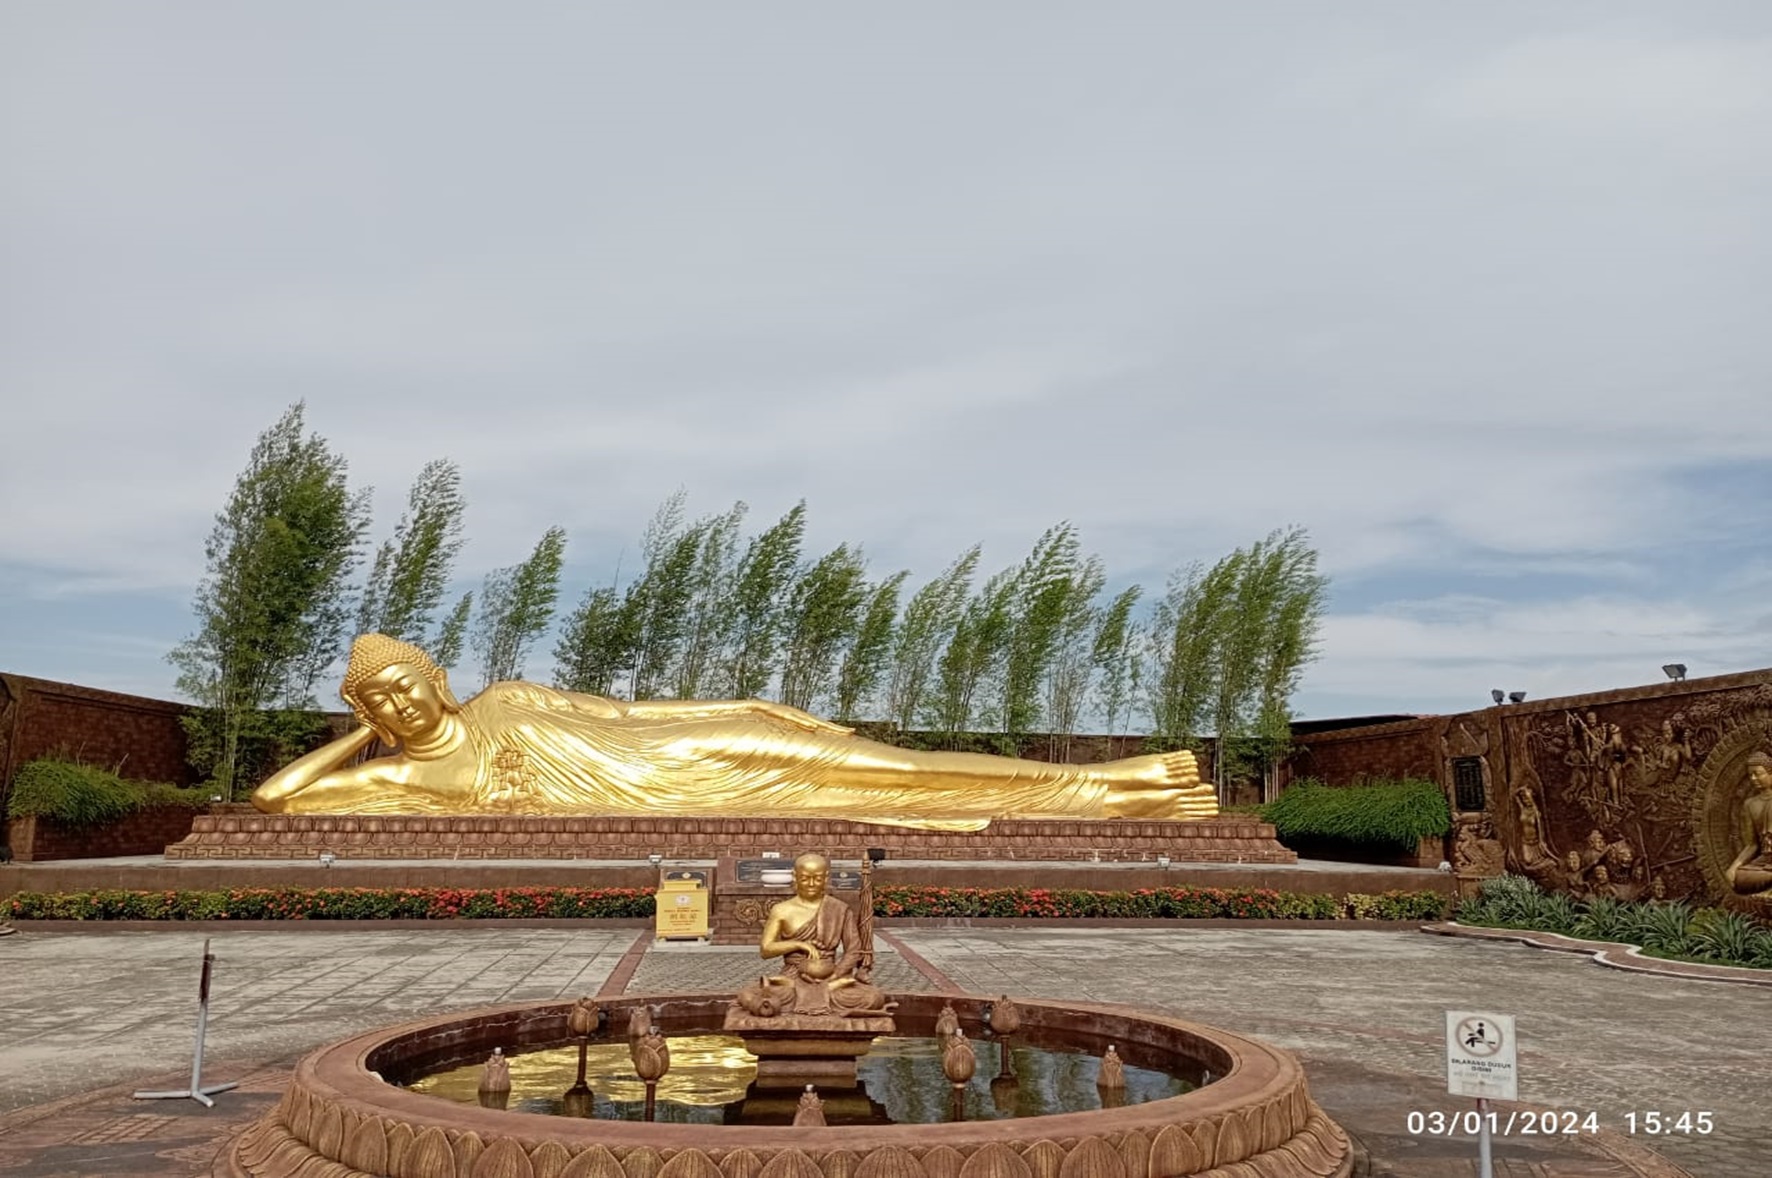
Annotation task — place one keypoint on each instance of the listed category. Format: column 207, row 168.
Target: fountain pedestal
column 795, row 1050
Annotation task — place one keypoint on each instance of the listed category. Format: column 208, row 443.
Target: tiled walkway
column 88, row 1016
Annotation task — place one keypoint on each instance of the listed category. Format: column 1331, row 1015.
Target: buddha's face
column 1760, row 775
column 811, row 874
column 401, row 702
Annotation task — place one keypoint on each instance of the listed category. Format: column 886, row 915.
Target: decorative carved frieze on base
column 1114, row 840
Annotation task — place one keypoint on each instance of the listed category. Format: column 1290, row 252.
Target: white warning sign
column 1481, row 1059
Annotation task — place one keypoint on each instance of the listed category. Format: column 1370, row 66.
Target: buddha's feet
column 1162, row 785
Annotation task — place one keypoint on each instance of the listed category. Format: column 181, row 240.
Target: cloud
column 1476, row 297
column 1411, row 652
column 1618, row 82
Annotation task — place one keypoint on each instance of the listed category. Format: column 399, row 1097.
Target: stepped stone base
column 1114, row 840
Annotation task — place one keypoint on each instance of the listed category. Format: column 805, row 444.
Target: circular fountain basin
column 340, row 1119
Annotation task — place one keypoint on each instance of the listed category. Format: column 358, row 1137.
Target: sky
column 1474, row 293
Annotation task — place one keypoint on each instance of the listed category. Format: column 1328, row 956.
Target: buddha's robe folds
column 535, row 750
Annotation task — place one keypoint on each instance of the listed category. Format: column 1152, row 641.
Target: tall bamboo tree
column 711, row 616
column 1114, row 656
column 864, row 663
column 760, row 586
column 594, row 647
column 1072, row 665
column 516, row 605
column 411, row 569
column 1040, row 604
column 823, row 615
column 975, row 654
column 928, row 625
column 271, row 609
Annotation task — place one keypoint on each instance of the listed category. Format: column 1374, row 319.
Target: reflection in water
column 710, row 1083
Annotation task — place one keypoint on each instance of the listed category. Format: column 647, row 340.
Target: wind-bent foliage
column 516, row 605
column 594, row 647
column 452, row 634
column 656, row 606
column 1114, row 655
column 823, row 616
column 411, row 570
column 1228, row 645
column 928, row 624
column 759, row 599
column 271, row 610
column 1187, row 637
column 711, row 616
column 975, row 653
column 865, row 661
column 1038, row 605
column 1073, row 665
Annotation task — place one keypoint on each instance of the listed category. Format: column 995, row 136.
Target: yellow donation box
column 682, row 906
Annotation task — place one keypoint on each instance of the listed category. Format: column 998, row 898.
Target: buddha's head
column 1759, row 770
column 395, row 688
column 812, row 872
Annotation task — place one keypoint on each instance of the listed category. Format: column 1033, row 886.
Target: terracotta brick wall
column 139, row 737
column 146, row 832
column 1405, row 748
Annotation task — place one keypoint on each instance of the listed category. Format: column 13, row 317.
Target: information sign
column 1481, row 1059
column 682, row 906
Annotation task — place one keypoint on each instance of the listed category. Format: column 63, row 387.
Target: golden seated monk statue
column 816, row 936
column 519, row 748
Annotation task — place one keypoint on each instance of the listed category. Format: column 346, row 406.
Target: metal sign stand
column 196, row 1091
column 1482, row 1060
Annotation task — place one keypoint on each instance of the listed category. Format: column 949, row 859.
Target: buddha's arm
column 774, row 944
column 721, row 709
column 311, row 767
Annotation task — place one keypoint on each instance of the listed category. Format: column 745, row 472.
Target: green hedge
column 85, row 795
column 1156, row 903
column 333, row 904
column 1660, row 928
column 1387, row 813
column 607, row 903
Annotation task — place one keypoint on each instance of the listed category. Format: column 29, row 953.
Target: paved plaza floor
column 87, row 1016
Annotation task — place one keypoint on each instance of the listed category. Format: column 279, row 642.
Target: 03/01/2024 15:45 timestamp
column 1654, row 1123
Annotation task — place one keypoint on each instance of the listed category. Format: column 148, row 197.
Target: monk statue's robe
column 791, row 991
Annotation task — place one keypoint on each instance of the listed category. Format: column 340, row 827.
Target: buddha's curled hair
column 371, row 654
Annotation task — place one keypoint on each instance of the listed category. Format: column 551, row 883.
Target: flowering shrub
column 332, row 904
column 1160, row 903
column 605, row 903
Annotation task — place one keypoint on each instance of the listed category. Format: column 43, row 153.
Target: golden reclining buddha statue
column 519, row 748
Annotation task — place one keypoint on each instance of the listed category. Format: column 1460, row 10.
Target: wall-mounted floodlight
column 1674, row 671
column 1516, row 697
column 1496, row 695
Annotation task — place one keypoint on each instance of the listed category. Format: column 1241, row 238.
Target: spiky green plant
column 1605, row 919
column 1725, row 936
column 1667, row 928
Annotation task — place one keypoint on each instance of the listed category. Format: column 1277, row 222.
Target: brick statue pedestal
column 796, row 1050
column 434, row 837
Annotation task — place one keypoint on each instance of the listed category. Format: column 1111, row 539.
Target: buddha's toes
column 1161, row 770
